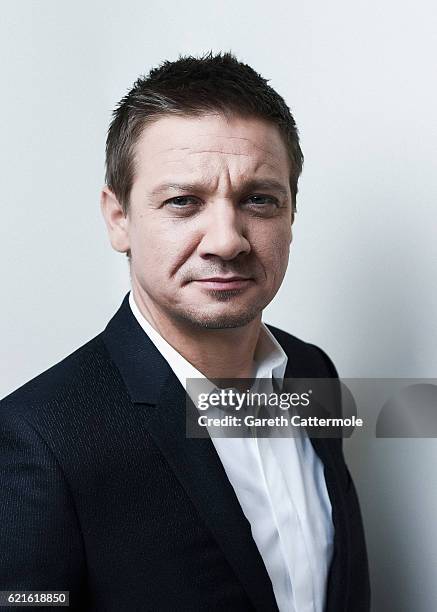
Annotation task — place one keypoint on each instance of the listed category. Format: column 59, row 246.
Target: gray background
column 360, row 78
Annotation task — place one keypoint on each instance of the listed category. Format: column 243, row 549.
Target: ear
column 117, row 222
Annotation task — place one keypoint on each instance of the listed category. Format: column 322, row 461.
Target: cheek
column 272, row 248
column 160, row 247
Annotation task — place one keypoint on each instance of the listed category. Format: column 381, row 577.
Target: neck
column 216, row 353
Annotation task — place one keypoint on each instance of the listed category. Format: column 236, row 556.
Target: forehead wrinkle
column 256, row 168
column 271, row 152
column 190, row 151
column 269, row 161
column 249, row 140
column 221, row 152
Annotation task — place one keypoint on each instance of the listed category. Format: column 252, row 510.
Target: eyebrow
column 248, row 186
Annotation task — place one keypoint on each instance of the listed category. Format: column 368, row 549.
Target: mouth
column 224, row 283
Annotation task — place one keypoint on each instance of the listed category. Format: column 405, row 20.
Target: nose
column 223, row 234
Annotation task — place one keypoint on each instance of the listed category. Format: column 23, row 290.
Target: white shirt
column 280, row 485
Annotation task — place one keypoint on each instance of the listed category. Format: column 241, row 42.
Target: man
column 105, row 496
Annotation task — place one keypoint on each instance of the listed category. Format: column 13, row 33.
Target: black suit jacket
column 104, row 496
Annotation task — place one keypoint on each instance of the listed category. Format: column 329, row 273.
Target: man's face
column 209, row 224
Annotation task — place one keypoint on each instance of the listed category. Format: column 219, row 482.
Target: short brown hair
column 192, row 86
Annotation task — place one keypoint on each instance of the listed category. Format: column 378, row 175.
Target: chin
column 224, row 320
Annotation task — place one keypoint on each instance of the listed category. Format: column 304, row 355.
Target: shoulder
column 306, row 359
column 75, row 379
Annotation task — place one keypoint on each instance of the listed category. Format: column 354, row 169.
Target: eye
column 262, row 201
column 180, row 201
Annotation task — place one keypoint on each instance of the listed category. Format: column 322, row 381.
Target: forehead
column 208, row 144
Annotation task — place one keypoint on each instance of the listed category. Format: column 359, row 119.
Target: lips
column 224, row 283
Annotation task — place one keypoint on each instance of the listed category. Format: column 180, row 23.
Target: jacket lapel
column 152, row 383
